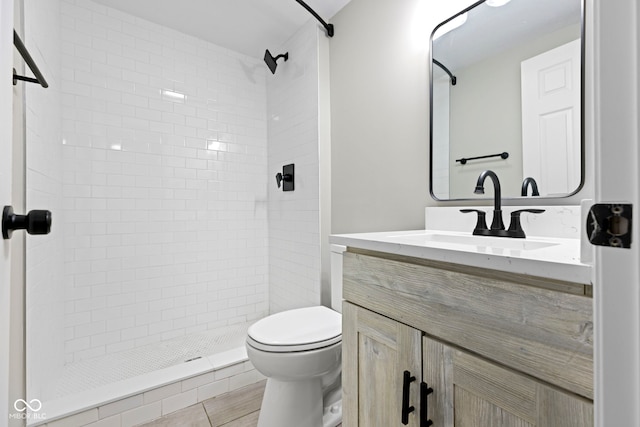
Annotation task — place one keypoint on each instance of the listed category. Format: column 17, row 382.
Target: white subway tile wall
column 294, row 216
column 164, row 140
column 44, row 165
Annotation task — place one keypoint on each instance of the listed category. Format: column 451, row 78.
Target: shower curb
column 147, row 397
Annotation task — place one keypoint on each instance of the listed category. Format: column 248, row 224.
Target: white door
column 617, row 276
column 551, row 114
column 6, row 66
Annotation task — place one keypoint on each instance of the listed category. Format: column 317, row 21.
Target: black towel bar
column 464, row 160
column 30, row 62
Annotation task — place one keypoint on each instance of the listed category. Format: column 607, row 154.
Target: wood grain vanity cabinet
column 496, row 348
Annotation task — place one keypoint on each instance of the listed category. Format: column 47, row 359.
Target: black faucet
column 497, row 226
column 497, row 223
column 534, row 187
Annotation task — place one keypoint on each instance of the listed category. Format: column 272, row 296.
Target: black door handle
column 406, row 409
column 35, row 222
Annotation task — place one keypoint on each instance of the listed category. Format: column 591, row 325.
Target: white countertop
column 550, row 257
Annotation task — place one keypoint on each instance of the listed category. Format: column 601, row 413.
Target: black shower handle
column 280, row 177
column 35, row 222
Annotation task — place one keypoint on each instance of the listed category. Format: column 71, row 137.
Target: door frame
column 616, row 272
column 6, row 173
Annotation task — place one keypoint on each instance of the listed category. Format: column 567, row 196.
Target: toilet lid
column 297, row 330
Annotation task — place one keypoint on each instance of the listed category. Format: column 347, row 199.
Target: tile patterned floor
column 239, row 408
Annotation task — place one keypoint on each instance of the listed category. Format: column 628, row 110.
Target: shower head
column 272, row 62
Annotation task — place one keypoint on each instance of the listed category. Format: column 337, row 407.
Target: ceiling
column 245, row 26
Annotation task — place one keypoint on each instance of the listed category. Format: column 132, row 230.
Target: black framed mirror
column 507, row 94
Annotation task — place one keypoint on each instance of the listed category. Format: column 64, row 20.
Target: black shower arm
column 454, row 80
column 328, row 27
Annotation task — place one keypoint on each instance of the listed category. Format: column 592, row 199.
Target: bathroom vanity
column 464, row 335
column 469, row 325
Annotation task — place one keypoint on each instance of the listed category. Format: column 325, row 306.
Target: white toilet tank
column 336, row 277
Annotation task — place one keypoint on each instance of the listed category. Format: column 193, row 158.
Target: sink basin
column 435, row 238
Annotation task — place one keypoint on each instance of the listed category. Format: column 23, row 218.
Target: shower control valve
column 286, row 178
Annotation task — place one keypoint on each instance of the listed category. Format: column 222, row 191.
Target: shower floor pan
column 94, row 383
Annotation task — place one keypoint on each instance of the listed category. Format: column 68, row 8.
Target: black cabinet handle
column 406, row 409
column 425, row 391
column 35, row 222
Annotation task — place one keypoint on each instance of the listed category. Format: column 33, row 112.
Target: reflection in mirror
column 508, row 79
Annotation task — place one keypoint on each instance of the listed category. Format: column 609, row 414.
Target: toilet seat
column 293, row 348
column 296, row 330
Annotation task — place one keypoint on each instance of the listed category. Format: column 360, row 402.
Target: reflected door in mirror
column 551, row 119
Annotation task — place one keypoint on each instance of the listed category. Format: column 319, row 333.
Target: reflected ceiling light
column 451, row 25
column 497, row 3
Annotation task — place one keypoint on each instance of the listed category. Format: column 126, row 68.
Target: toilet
column 300, row 353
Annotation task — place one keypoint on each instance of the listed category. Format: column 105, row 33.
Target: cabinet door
column 472, row 392
column 375, row 353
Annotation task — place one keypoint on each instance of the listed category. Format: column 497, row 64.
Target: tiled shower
column 156, row 153
column 164, row 184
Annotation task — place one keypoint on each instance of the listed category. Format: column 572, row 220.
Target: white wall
column 45, row 290
column 164, row 193
column 379, row 117
column 324, row 148
column 294, row 216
